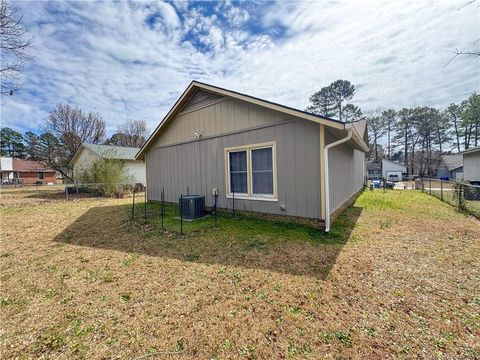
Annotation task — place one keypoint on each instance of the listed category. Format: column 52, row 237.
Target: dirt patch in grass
column 399, row 278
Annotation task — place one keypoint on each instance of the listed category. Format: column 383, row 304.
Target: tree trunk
column 406, row 147
column 457, row 135
column 388, row 135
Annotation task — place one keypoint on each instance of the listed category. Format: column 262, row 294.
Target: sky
column 132, row 60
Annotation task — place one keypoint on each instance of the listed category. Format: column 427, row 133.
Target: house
column 471, row 165
column 257, row 155
column 450, row 167
column 86, row 154
column 385, row 169
column 27, row 172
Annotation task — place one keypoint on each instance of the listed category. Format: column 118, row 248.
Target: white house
column 87, row 153
column 471, row 165
column 386, row 169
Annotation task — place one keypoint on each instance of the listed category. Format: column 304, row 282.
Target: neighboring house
column 268, row 157
column 450, row 167
column 88, row 153
column 385, row 169
column 28, row 172
column 471, row 165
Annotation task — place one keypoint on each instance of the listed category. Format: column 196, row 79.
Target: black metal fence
column 462, row 195
column 168, row 217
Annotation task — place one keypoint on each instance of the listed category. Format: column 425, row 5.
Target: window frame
column 248, row 149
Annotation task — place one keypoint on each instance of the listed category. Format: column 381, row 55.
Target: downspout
column 327, row 181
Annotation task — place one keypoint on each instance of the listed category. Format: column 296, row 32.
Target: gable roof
column 107, row 151
column 196, row 85
column 452, row 162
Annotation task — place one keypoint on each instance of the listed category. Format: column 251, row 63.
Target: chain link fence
column 462, row 195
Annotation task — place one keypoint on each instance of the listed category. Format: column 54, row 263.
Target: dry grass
column 399, row 279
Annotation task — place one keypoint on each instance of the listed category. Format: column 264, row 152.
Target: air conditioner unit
column 192, row 206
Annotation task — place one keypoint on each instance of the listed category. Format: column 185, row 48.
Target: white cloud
column 132, row 60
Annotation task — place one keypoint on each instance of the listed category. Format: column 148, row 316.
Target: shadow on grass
column 240, row 241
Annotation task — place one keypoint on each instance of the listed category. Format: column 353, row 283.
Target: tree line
column 64, row 130
column 416, row 136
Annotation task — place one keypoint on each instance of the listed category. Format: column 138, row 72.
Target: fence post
column 133, row 206
column 145, row 208
column 233, row 202
column 423, row 186
column 215, row 208
column 430, row 185
column 161, row 206
column 66, row 193
column 181, row 214
column 441, row 190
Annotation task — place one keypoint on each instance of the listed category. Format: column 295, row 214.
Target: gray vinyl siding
column 200, row 166
column 346, row 172
column 471, row 166
column 217, row 118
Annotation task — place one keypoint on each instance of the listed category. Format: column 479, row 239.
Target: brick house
column 27, row 172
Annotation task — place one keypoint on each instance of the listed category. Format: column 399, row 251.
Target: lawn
column 398, row 277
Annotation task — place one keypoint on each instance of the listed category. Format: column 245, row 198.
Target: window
column 262, row 171
column 40, row 175
column 238, row 172
column 251, row 172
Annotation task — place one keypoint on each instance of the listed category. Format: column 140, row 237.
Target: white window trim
column 249, row 195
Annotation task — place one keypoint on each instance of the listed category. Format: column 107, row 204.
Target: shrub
column 109, row 177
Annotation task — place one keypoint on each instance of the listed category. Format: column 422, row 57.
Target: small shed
column 88, row 153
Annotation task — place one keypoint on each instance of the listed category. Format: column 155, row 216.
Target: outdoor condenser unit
column 192, row 206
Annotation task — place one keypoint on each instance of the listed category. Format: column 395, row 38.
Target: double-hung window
column 251, row 172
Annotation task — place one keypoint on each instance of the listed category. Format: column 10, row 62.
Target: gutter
column 327, row 182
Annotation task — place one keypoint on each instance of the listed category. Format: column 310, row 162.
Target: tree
column 342, row 90
column 49, row 150
column 471, row 120
column 11, row 143
column 376, row 129
column 351, row 113
column 31, row 143
column 73, row 127
column 453, row 114
column 14, row 46
column 329, row 100
column 322, row 102
column 131, row 133
column 389, row 117
column 403, row 129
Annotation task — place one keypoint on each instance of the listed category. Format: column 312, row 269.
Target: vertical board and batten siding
column 200, row 165
column 471, row 166
column 219, row 117
column 345, row 173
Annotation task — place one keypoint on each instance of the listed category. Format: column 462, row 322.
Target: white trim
column 248, row 149
column 246, row 197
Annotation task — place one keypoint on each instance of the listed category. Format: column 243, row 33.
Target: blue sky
column 131, row 60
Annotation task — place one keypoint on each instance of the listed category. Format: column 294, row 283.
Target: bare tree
column 131, row 133
column 74, row 127
column 14, row 46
